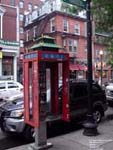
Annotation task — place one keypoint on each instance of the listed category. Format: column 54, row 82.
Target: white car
column 9, row 88
column 109, row 92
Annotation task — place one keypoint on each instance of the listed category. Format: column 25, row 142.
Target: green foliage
column 103, row 16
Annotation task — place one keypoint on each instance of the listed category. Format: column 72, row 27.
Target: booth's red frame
column 35, row 57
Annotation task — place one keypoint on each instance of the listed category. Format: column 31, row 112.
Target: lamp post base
column 90, row 127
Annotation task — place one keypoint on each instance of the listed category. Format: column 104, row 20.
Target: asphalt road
column 11, row 141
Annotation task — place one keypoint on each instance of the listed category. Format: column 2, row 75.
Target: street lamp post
column 90, row 127
column 101, row 70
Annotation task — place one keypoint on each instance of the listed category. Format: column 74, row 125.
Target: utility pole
column 90, row 127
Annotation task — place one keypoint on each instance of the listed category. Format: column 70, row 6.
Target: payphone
column 35, row 90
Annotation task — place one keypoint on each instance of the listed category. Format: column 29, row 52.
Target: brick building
column 69, row 31
column 9, row 44
column 23, row 7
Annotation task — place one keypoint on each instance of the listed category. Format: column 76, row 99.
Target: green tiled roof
column 41, row 45
column 45, row 42
column 45, row 37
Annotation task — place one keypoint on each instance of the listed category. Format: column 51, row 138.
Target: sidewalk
column 77, row 141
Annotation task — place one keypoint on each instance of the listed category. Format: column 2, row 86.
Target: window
column 52, row 25
column 73, row 46
column 12, row 85
column 21, row 43
column 21, row 30
column 65, row 27
column 12, row 2
column 77, row 29
column 21, row 17
column 35, row 31
column 27, row 35
column 51, row 7
column 85, row 47
column 70, row 46
column 21, row 4
column 30, row 7
column 2, row 85
column 7, row 63
column 64, row 42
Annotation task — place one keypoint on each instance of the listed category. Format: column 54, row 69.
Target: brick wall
column 9, row 24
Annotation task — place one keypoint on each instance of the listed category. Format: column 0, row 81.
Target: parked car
column 9, row 88
column 11, row 113
column 109, row 92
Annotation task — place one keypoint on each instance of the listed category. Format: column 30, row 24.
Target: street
column 11, row 141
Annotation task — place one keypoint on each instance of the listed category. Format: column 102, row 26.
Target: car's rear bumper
column 14, row 125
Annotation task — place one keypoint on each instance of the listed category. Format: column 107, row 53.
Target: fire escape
column 41, row 25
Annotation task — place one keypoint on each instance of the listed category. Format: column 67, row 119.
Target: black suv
column 11, row 113
column 79, row 100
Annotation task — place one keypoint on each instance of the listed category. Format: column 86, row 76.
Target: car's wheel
column 97, row 115
column 29, row 133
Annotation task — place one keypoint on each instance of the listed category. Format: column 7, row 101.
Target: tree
column 103, row 16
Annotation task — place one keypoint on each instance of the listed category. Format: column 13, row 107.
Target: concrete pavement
column 77, row 141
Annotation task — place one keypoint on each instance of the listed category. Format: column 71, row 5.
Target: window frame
column 21, row 17
column 21, row 4
column 21, row 43
column 77, row 28
column 65, row 25
column 52, row 25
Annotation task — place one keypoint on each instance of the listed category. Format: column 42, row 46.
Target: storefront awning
column 75, row 67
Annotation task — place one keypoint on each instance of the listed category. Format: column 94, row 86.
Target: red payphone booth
column 45, row 56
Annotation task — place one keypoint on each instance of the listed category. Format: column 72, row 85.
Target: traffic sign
column 79, row 3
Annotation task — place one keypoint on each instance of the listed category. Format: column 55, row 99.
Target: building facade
column 69, row 30
column 23, row 7
column 9, row 44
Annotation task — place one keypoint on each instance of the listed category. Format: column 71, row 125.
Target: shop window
column 7, row 64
